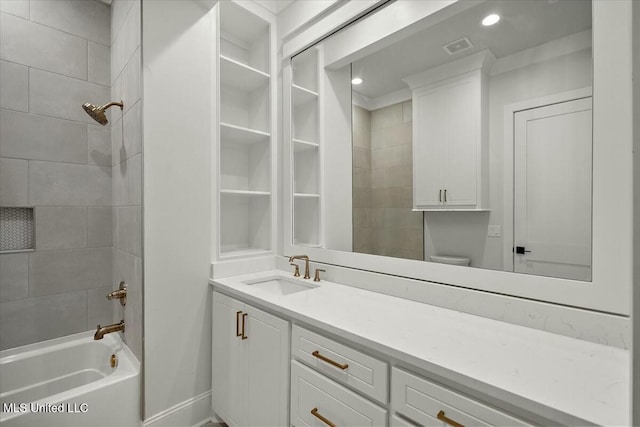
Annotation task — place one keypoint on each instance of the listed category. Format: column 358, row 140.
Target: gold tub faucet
column 101, row 331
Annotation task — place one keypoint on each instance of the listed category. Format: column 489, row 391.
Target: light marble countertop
column 564, row 379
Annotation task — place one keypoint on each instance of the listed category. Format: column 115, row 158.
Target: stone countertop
column 564, row 379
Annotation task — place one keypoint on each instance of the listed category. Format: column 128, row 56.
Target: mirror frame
column 612, row 233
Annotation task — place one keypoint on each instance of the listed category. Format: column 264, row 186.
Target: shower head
column 97, row 113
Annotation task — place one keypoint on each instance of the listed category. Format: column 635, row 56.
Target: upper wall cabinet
column 245, row 185
column 450, row 143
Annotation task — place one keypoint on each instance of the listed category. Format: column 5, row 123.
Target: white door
column 552, row 173
column 267, row 347
column 227, row 359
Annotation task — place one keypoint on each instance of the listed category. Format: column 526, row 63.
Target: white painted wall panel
column 177, row 78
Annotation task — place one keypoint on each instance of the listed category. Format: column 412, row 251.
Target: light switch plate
column 494, row 231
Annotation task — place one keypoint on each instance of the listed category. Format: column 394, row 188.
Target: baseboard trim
column 192, row 412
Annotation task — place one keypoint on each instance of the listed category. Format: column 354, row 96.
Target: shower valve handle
column 120, row 294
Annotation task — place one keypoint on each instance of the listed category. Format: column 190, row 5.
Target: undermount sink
column 280, row 285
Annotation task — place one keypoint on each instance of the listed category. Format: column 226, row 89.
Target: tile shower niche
column 16, row 229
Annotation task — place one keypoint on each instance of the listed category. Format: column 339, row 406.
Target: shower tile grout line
column 30, row 19
column 59, row 74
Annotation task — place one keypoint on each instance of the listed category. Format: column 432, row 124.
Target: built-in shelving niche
column 245, row 223
column 245, row 144
column 17, row 229
column 306, row 149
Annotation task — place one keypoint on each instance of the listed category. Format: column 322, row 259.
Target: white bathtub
column 68, row 382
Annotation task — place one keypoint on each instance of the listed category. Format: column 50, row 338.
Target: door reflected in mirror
column 471, row 143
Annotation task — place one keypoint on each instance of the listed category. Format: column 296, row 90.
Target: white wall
column 558, row 75
column 177, row 39
column 336, row 142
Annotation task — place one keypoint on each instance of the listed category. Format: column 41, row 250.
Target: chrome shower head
column 98, row 113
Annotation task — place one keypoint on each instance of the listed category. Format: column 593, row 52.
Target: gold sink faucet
column 306, row 264
column 101, row 331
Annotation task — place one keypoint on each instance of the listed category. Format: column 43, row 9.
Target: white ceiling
column 524, row 24
column 274, row 6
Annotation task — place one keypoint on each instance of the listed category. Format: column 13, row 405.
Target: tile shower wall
column 384, row 223
column 126, row 146
column 54, row 56
column 362, row 203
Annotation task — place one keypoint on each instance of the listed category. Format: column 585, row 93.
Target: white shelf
column 306, row 221
column 306, row 150
column 305, row 69
column 245, row 193
column 241, row 76
column 245, row 221
column 244, row 252
column 241, row 135
column 305, row 170
column 300, row 145
column 244, row 36
column 303, row 95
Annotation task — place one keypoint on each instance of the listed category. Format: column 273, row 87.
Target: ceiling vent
column 458, row 46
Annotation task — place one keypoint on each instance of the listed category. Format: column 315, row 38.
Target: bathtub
column 68, row 382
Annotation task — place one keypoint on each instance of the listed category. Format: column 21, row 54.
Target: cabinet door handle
column 315, row 413
column 445, row 195
column 447, row 420
column 244, row 319
column 342, row 366
column 238, row 323
column 440, row 196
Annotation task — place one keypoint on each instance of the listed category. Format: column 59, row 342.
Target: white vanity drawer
column 363, row 373
column 332, row 404
column 421, row 400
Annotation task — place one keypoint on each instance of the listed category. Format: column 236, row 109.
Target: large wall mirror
column 465, row 141
column 429, row 141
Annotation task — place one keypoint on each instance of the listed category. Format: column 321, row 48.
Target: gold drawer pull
column 447, row 420
column 238, row 313
column 329, row 361
column 315, row 413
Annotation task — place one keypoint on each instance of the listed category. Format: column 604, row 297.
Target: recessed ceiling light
column 490, row 20
column 356, row 81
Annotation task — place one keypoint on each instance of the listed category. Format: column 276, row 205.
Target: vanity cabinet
column 250, row 372
column 353, row 364
column 449, row 143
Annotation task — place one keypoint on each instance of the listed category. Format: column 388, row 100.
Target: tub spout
column 101, row 331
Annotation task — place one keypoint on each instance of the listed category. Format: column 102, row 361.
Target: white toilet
column 452, row 260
